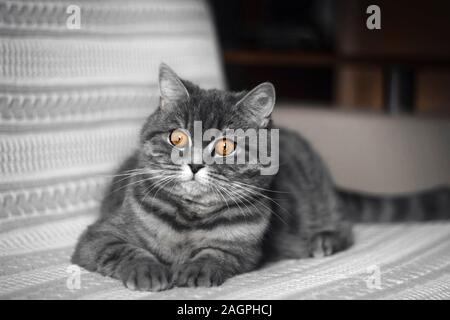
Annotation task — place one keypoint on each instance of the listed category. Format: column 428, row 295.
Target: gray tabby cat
column 165, row 225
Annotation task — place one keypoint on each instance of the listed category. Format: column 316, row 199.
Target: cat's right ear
column 171, row 87
column 259, row 103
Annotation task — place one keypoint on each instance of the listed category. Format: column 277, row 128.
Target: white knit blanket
column 387, row 262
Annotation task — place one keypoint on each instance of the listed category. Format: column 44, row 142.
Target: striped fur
column 159, row 230
column 432, row 204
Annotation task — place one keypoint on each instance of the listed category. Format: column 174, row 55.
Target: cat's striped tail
column 433, row 204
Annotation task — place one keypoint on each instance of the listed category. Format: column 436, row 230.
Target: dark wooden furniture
column 404, row 67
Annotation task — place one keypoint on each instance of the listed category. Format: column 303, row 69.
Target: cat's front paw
column 146, row 275
column 326, row 243
column 199, row 274
column 323, row 244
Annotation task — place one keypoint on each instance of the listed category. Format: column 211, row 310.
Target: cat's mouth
column 195, row 192
column 190, row 189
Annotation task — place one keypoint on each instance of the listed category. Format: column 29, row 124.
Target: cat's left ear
column 259, row 103
column 171, row 87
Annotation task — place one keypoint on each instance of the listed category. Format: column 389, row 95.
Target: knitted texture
column 412, row 262
column 72, row 101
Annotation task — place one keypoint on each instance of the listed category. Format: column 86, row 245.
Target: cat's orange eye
column 224, row 147
column 178, row 138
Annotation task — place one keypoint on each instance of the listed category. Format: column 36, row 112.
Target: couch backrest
column 374, row 152
column 72, row 100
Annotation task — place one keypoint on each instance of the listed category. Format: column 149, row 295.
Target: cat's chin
column 191, row 188
column 194, row 192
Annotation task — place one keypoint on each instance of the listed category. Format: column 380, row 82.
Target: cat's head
column 173, row 129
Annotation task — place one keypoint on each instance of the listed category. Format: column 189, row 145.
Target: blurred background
column 320, row 52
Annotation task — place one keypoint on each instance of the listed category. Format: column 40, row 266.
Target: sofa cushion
column 398, row 261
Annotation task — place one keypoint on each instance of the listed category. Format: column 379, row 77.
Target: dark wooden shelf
column 274, row 58
column 319, row 59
